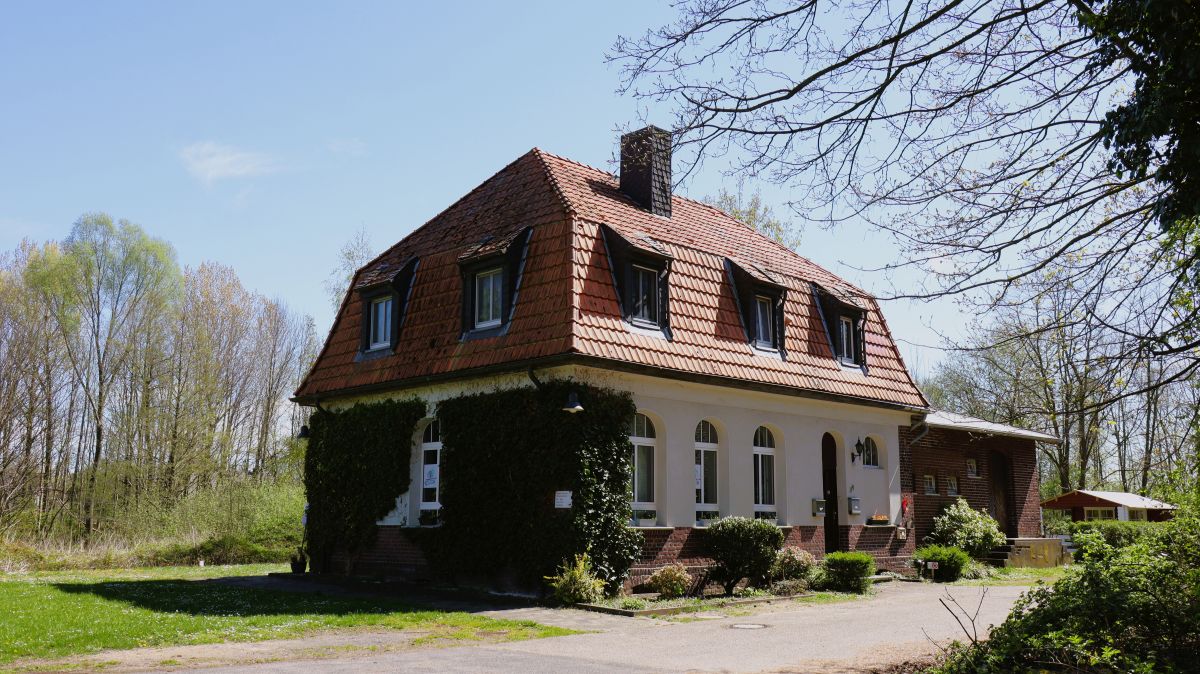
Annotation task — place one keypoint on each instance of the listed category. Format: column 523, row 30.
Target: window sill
column 653, row 527
column 373, row 354
column 485, row 333
column 647, row 329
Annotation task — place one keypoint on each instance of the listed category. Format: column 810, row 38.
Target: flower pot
column 647, row 522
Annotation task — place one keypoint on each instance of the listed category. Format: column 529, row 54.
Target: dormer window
column 381, row 322
column 491, row 278
column 764, row 312
column 384, row 292
column 844, row 319
column 845, row 338
column 641, row 269
column 489, row 293
column 643, row 299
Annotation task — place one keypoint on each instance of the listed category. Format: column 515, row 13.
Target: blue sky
column 263, row 135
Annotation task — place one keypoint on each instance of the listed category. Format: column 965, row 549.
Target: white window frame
column 952, row 485
column 870, row 449
column 1141, row 515
column 1089, row 512
column 636, row 296
column 846, row 338
column 764, row 446
column 929, row 485
column 376, row 340
column 644, row 438
column 495, row 317
column 763, row 303
column 436, row 447
column 972, row 468
column 706, row 452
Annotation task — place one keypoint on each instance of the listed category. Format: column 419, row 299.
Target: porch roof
column 962, row 422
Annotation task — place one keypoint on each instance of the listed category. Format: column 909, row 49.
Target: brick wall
column 944, row 453
column 394, row 554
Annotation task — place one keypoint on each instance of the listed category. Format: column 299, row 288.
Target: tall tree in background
column 755, row 212
column 351, row 256
column 109, row 281
column 989, row 137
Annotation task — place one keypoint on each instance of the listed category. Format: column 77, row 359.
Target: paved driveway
column 895, row 625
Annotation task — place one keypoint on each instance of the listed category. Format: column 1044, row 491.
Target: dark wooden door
column 1000, row 493
column 832, row 502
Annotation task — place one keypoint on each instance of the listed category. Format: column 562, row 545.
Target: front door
column 829, row 478
column 1000, row 481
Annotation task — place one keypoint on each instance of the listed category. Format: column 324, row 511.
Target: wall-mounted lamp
column 859, row 448
column 572, row 405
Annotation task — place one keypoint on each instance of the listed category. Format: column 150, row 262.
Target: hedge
column 950, row 560
column 356, row 465
column 848, row 571
column 1115, row 532
column 505, row 454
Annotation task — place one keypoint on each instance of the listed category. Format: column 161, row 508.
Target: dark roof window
column 845, row 321
column 759, row 296
column 384, row 297
column 491, row 276
column 641, row 269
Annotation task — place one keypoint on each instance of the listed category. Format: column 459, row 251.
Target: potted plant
column 645, row 518
column 877, row 520
column 706, row 517
column 299, row 560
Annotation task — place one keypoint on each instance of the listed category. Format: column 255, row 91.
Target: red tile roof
column 565, row 203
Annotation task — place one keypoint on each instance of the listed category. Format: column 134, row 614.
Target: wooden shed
column 1086, row 504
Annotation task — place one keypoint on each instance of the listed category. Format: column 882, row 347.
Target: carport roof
column 962, row 422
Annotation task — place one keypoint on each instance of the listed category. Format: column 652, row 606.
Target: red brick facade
column 944, row 453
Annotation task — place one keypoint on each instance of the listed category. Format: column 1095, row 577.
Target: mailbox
column 818, row 505
column 855, row 505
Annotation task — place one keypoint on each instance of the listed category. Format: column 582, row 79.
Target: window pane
column 645, row 294
column 644, row 474
column 768, row 479
column 488, row 300
column 699, row 477
column 710, row 477
column 497, row 302
column 764, row 321
column 758, row 479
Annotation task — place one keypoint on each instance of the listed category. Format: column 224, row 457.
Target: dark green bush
column 963, row 527
column 951, row 561
column 848, row 571
column 742, row 548
column 1117, row 609
column 1116, row 533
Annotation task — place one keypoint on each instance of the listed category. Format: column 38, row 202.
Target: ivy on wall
column 356, row 464
column 505, row 454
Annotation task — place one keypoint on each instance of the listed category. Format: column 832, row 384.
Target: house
column 765, row 385
column 1086, row 505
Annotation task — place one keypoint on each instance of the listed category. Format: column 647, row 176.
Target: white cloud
column 209, row 162
column 352, row 147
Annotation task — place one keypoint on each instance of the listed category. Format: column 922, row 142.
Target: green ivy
column 504, row 455
column 356, row 464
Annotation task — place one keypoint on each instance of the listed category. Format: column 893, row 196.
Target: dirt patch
column 325, row 644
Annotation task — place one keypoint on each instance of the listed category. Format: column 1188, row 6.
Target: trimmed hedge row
column 1115, row 532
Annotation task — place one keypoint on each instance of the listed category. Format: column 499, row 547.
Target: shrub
column 670, row 581
column 575, row 583
column 848, row 571
column 789, row 587
column 633, row 604
column 742, row 548
column 1116, row 533
column 965, row 528
column 793, row 563
column 951, row 561
column 1126, row 609
column 979, row 571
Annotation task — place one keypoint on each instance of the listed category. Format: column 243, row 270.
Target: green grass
column 57, row 614
column 1018, row 576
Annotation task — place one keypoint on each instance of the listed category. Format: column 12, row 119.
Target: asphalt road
column 897, row 624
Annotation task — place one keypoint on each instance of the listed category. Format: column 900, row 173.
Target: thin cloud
column 351, row 147
column 209, row 162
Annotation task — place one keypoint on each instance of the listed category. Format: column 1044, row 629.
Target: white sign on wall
column 429, row 478
column 699, row 476
column 562, row 499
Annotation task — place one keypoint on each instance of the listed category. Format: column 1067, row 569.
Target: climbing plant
column 356, row 464
column 505, row 454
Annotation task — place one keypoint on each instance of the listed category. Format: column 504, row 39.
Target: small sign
column 562, row 499
column 932, row 565
column 699, row 476
column 429, row 479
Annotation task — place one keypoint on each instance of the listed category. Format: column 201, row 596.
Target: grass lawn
column 56, row 614
column 1018, row 576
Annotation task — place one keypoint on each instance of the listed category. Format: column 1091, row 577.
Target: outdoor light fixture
column 303, row 434
column 572, row 405
column 858, row 450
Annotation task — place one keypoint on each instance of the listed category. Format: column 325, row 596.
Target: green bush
column 575, row 583
column 979, row 571
column 670, row 581
column 951, row 561
column 965, row 528
column 1117, row 609
column 220, row 550
column 848, row 571
column 742, row 548
column 1116, row 533
column 793, row 563
column 633, row 604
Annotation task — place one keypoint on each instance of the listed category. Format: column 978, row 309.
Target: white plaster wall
column 676, row 407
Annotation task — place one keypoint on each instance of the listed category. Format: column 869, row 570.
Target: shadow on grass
column 250, row 596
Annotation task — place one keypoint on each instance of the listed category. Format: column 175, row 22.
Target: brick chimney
column 646, row 169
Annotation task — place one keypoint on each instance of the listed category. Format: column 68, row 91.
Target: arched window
column 870, row 456
column 707, row 507
column 431, row 479
column 764, row 473
column 642, row 436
